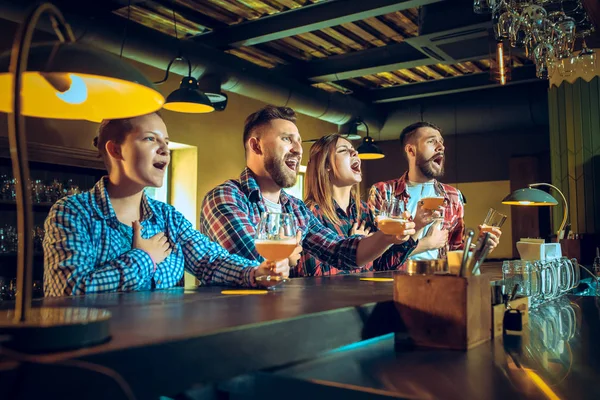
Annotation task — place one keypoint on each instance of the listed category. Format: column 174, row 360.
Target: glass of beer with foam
column 391, row 220
column 275, row 239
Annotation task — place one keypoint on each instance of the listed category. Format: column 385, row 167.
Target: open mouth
column 355, row 166
column 438, row 159
column 292, row 163
column 161, row 165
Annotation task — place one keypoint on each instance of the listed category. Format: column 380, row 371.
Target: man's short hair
column 114, row 130
column 264, row 116
column 408, row 133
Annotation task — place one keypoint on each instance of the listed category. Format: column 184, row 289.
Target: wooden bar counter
column 163, row 342
column 304, row 339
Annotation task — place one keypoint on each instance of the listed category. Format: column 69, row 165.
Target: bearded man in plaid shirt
column 232, row 210
column 424, row 149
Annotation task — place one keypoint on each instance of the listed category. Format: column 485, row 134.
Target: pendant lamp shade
column 72, row 81
column 530, row 197
column 189, row 98
column 368, row 150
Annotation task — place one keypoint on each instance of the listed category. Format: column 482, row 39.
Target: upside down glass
column 275, row 239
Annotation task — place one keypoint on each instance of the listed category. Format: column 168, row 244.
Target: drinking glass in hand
column 391, row 219
column 275, row 239
column 494, row 219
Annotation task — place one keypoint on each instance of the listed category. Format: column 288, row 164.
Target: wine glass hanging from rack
column 546, row 30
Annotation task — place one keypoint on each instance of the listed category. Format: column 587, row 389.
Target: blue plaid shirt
column 88, row 250
column 231, row 212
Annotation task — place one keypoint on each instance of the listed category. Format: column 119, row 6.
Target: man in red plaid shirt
column 424, row 149
column 231, row 211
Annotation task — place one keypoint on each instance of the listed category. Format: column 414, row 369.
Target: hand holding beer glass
column 430, row 209
column 392, row 218
column 275, row 240
column 492, row 224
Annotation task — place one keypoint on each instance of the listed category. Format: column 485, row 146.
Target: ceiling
column 373, row 52
column 348, row 46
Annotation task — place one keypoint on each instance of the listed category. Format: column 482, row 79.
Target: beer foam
column 383, row 219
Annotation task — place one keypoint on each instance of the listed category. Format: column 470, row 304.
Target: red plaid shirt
column 393, row 258
column 231, row 212
column 453, row 203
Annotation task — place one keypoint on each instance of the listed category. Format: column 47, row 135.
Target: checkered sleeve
column 225, row 221
column 325, row 245
column 309, row 265
column 208, row 261
column 69, row 255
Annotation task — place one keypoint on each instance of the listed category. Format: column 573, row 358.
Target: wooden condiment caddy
column 444, row 311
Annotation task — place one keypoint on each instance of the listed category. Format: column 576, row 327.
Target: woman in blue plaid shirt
column 332, row 178
column 115, row 238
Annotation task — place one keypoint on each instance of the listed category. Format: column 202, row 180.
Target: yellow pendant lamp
column 368, row 150
column 71, row 81
column 188, row 98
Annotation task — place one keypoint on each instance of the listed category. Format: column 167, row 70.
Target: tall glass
column 512, row 274
column 576, row 271
column 494, row 219
column 391, row 219
column 549, row 276
column 565, row 274
column 275, row 239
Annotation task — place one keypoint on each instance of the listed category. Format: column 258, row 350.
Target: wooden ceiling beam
column 305, row 19
column 445, row 86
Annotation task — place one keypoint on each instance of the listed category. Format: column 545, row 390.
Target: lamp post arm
column 18, row 149
column 561, row 230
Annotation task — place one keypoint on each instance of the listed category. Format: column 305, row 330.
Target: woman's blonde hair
column 319, row 187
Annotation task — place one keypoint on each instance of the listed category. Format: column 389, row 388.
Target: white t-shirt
column 417, row 191
column 272, row 207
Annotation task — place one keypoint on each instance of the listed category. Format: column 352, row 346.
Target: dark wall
column 469, row 158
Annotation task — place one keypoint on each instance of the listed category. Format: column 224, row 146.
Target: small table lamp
column 62, row 80
column 536, row 197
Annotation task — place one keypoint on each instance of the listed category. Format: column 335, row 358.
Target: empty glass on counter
column 541, row 280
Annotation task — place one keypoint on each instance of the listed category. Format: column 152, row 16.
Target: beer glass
column 391, row 219
column 275, row 239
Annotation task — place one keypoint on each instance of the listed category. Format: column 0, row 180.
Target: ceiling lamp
column 75, row 82
column 210, row 84
column 349, row 131
column 188, row 98
column 368, row 150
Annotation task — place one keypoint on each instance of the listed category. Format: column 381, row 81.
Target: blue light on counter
column 363, row 343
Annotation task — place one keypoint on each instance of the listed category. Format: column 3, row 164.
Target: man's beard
column 426, row 168
column 278, row 173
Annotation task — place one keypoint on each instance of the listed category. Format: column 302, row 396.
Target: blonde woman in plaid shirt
column 332, row 194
